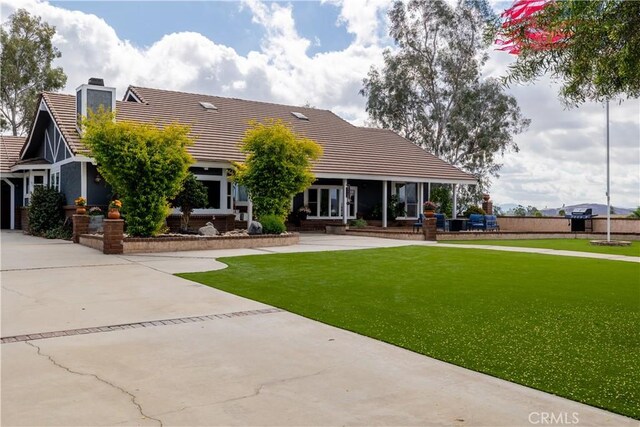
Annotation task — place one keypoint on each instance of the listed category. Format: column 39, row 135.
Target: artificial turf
column 580, row 245
column 569, row 326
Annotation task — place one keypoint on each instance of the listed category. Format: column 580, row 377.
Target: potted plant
column 303, row 212
column 81, row 206
column 96, row 217
column 114, row 209
column 429, row 208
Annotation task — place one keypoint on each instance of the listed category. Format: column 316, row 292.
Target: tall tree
column 592, row 47
column 25, row 66
column 430, row 89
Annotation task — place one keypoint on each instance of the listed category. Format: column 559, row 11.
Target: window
column 54, row 180
column 219, row 194
column 208, row 105
column 241, row 195
column 326, row 201
column 213, row 193
column 407, row 193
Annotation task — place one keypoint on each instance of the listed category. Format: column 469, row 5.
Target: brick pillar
column 80, row 226
column 113, row 236
column 487, row 204
column 429, row 229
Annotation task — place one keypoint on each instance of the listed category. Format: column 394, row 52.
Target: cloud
column 561, row 158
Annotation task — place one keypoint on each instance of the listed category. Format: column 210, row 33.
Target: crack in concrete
column 257, row 390
column 86, row 374
column 56, row 267
column 21, row 294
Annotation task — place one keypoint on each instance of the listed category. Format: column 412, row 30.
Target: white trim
column 344, row 205
column 83, row 180
column 455, row 202
column 12, row 216
column 384, row 204
column 46, row 108
column 128, row 93
column 393, row 191
column 222, row 179
column 45, row 167
column 217, row 165
column 11, row 175
column 393, row 178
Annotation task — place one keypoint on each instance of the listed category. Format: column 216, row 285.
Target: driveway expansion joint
column 145, row 324
column 102, row 380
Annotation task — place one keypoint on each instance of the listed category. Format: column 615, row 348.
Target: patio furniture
column 441, row 222
column 491, row 223
column 418, row 225
column 476, row 222
column 457, row 224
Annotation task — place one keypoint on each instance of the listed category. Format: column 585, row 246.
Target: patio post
column 345, row 207
column 428, row 191
column 249, row 213
column 384, row 204
column 420, row 197
column 455, row 202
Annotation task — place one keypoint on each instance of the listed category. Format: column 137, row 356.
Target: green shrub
column 278, row 166
column 64, row 232
column 46, row 210
column 272, row 224
column 442, row 197
column 358, row 223
column 144, row 164
column 474, row 210
column 192, row 196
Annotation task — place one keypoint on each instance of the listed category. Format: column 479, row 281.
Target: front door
column 5, row 206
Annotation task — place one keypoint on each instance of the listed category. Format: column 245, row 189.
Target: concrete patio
column 233, row 363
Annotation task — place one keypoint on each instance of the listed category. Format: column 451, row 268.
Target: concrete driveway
column 119, row 340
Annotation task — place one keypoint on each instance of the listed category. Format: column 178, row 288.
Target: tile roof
column 348, row 149
column 10, row 147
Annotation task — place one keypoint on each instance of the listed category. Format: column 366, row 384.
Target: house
column 361, row 167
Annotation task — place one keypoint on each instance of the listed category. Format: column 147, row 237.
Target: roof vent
column 95, row 81
column 300, row 116
column 208, row 105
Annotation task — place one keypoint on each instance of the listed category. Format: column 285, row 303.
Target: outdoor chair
column 418, row 225
column 441, row 222
column 476, row 222
column 491, row 223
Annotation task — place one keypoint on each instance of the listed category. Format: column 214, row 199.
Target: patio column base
column 113, row 236
column 80, row 226
column 429, row 229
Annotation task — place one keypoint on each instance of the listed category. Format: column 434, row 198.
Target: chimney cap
column 95, row 81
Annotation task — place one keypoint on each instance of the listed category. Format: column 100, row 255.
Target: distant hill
column 598, row 209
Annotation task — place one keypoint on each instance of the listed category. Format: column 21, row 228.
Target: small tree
column 277, row 167
column 442, row 197
column 46, row 210
column 144, row 164
column 192, row 196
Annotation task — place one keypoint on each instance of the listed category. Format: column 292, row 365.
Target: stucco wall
column 558, row 224
column 70, row 181
column 97, row 193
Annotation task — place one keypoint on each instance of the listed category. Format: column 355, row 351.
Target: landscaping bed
column 564, row 325
column 176, row 242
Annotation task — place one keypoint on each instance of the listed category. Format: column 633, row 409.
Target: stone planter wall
column 562, row 225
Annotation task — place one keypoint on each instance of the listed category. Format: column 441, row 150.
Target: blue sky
column 319, row 52
column 226, row 22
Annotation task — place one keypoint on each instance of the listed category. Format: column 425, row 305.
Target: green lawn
column 580, row 245
column 569, row 326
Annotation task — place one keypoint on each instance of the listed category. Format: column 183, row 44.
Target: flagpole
column 608, row 181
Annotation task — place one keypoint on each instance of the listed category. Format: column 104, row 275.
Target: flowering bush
column 81, row 201
column 429, row 206
column 115, row 204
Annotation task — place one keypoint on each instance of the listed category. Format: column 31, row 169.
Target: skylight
column 300, row 115
column 208, row 105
